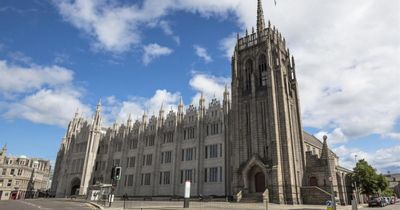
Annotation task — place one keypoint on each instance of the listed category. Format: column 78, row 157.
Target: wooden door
column 260, row 182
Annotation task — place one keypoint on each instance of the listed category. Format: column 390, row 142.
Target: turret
column 161, row 115
column 260, row 18
column 129, row 122
column 180, row 109
column 325, row 150
column 96, row 125
column 226, row 102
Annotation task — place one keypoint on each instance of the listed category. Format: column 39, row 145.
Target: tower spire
column 260, row 18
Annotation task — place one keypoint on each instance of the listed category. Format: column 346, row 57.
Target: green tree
column 367, row 179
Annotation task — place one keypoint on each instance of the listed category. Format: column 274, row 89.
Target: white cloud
column 211, row 86
column 153, row 51
column 119, row 110
column 202, row 53
column 386, row 159
column 346, row 51
column 18, row 79
column 40, row 94
column 334, row 137
column 227, row 45
column 53, row 107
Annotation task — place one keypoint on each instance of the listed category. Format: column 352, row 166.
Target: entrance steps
column 252, row 198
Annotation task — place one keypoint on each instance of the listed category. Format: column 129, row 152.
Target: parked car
column 387, row 199
column 376, row 201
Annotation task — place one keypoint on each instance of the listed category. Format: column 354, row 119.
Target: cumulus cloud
column 384, row 160
column 53, row 107
column 346, row 52
column 202, row 53
column 153, row 51
column 208, row 85
column 119, row 110
column 18, row 79
column 40, row 94
column 227, row 45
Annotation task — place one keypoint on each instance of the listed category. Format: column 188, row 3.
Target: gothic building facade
column 251, row 141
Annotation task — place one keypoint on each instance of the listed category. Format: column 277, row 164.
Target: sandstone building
column 22, row 177
column 250, row 141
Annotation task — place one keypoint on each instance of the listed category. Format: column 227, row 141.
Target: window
column 133, row 143
column 149, row 141
column 145, row 179
column 262, row 68
column 214, row 129
column 213, row 175
column 189, row 154
column 166, row 157
column 211, row 151
column 130, row 162
column 165, row 177
column 130, row 180
column 187, row 175
column 116, row 162
column 147, row 159
column 189, row 133
column 19, row 172
column 1, row 182
column 4, row 171
column 9, row 183
column 247, row 76
column 12, row 171
column 168, row 137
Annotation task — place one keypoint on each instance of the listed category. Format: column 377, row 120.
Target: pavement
column 45, row 204
column 68, row 204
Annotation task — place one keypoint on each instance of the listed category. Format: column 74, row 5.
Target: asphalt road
column 44, row 205
column 388, row 207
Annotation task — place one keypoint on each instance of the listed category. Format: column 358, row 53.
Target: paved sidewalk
column 195, row 205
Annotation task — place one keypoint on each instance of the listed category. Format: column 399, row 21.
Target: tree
column 367, row 179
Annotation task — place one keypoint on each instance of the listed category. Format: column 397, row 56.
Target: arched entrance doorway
column 75, row 184
column 259, row 181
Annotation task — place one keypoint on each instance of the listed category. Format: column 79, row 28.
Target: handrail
column 317, row 189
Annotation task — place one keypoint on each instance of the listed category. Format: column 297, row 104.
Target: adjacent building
column 394, row 182
column 250, row 141
column 22, row 177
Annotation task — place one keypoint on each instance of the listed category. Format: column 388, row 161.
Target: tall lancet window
column 248, row 71
column 262, row 68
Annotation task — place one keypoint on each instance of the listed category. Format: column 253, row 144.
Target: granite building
column 22, row 177
column 250, row 141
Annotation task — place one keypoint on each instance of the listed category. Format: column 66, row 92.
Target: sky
column 58, row 56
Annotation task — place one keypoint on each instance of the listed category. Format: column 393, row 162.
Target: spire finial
column 260, row 18
column 181, row 101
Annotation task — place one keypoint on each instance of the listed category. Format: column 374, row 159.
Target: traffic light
column 117, row 173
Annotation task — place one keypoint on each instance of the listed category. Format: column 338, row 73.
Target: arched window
column 262, row 68
column 248, row 71
column 313, row 181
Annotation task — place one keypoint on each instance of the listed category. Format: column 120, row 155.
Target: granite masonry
column 250, row 141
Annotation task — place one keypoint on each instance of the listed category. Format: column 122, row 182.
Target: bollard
column 266, row 198
column 354, row 205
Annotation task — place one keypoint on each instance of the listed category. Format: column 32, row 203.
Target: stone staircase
column 252, row 198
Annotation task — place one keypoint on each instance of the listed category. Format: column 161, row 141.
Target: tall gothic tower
column 267, row 143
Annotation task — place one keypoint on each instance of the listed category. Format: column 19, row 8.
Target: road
column 389, row 207
column 44, row 205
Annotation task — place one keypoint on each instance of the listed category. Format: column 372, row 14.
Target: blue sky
column 57, row 56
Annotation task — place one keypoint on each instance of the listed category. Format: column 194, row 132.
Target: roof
column 308, row 138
